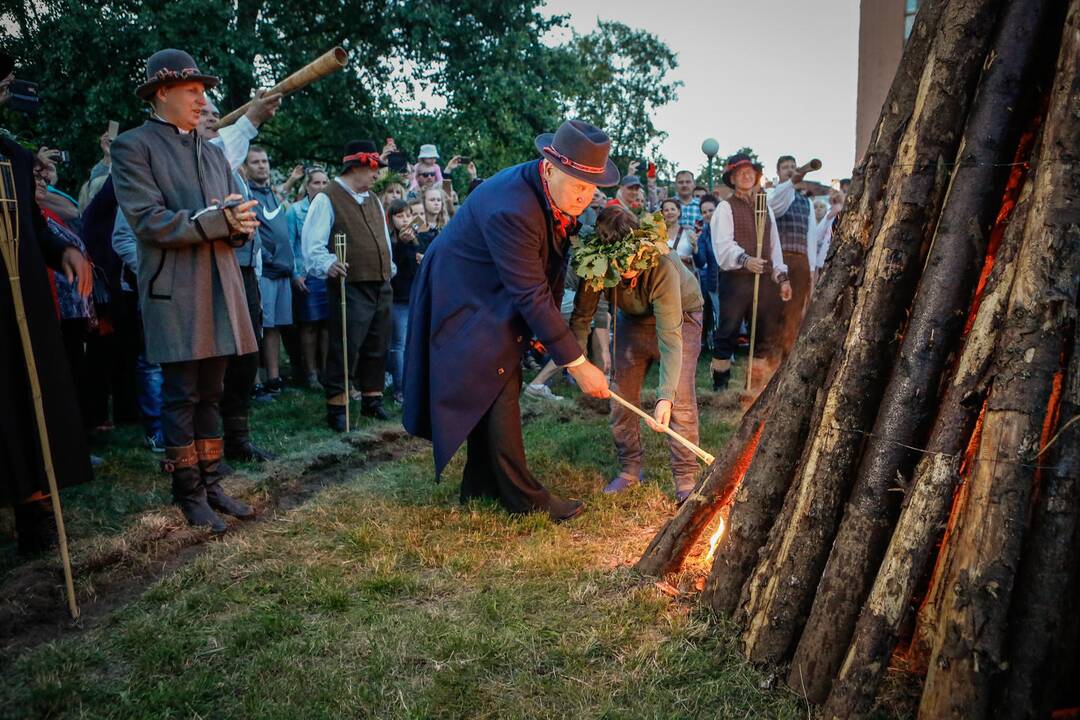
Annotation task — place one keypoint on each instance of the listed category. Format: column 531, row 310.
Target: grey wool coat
column 190, row 289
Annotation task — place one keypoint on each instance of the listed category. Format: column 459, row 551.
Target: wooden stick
column 10, row 245
column 339, row 248
column 326, row 64
column 709, row 459
column 760, row 213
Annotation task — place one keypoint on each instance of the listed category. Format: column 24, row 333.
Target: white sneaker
column 541, row 391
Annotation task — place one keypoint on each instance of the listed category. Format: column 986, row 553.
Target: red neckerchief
column 562, row 220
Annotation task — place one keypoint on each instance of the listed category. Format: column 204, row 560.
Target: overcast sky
column 779, row 75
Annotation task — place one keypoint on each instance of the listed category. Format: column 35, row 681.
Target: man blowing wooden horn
column 490, row 281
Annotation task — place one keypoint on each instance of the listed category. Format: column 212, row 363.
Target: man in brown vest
column 734, row 237
column 347, row 206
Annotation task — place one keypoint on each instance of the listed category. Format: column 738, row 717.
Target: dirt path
column 32, row 607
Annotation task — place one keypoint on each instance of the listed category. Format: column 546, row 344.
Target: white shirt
column 234, row 141
column 728, row 251
column 319, row 222
column 780, row 199
column 682, row 244
column 821, row 238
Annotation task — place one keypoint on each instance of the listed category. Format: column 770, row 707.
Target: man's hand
column 785, row 291
column 297, row 173
column 299, row 283
column 389, row 147
column 75, row 266
column 453, row 164
column 263, row 107
column 756, row 265
column 337, row 270
column 471, row 169
column 590, row 379
column 661, row 416
column 242, row 219
column 632, row 167
column 106, row 145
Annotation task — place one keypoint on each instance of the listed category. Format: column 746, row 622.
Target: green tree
column 493, row 81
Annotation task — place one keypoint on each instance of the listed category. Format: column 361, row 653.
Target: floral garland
column 601, row 264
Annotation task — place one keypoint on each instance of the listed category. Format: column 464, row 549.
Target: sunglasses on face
column 427, row 174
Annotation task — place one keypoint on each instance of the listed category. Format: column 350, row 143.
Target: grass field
column 366, row 590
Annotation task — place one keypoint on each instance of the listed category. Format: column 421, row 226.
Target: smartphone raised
column 114, row 129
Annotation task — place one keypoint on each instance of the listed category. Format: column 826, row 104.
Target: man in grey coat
column 178, row 194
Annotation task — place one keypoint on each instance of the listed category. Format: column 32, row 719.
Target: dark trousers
column 367, row 312
column 190, row 398
column 290, row 338
column 793, row 310
column 736, row 300
column 495, row 463
column 243, row 369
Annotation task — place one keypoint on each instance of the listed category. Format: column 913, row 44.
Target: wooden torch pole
column 761, row 213
column 339, row 249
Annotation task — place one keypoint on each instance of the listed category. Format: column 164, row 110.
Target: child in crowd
column 407, row 252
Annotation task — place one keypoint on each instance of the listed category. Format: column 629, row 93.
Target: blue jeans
column 637, row 350
column 149, row 380
column 400, row 313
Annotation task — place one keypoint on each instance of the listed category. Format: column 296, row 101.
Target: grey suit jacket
column 190, row 290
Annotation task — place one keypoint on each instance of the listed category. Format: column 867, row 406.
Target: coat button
column 185, row 143
column 519, row 338
column 501, row 371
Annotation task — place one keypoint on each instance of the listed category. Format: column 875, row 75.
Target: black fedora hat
column 168, row 67
column 7, row 64
column 735, row 162
column 361, row 153
column 581, row 151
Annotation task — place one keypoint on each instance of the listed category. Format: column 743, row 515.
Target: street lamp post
column 710, row 147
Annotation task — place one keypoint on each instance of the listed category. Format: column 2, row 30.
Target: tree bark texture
column 779, row 592
column 911, row 397
column 969, row 651
column 926, row 506
column 1042, row 603
column 804, row 372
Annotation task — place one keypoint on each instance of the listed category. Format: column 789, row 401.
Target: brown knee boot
column 187, row 488
column 209, row 451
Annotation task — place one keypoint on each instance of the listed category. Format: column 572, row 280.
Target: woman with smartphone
column 407, row 253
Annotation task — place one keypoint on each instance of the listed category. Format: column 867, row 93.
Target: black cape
column 22, row 471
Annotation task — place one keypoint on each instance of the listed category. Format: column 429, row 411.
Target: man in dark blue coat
column 490, row 281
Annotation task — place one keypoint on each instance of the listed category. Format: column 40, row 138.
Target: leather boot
column 187, row 488
column 560, row 510
column 238, row 444
column 209, row 452
column 35, row 526
column 371, row 406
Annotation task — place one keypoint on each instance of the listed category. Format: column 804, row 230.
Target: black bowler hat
column 581, row 151
column 735, row 162
column 168, row 67
column 7, row 64
column 361, row 153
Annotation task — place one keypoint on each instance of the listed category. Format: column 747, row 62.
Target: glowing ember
column 715, row 539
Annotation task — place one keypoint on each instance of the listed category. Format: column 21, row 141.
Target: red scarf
column 562, row 220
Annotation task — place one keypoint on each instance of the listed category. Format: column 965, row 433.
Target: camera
column 64, row 157
column 24, row 96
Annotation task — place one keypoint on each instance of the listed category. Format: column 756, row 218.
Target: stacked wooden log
column 908, row 478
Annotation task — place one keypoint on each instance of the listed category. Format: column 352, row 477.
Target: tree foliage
column 476, row 77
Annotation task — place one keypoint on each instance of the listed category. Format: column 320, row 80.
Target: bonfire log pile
column 903, row 493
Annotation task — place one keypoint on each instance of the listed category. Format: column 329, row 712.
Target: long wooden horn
column 814, row 164
column 326, row 64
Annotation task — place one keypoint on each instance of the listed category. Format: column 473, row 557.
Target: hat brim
column 726, row 177
column 147, row 89
column 608, row 178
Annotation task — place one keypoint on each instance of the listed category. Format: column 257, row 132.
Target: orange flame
column 726, row 500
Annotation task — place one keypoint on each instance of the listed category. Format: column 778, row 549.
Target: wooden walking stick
column 9, row 244
column 709, row 459
column 339, row 250
column 761, row 214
